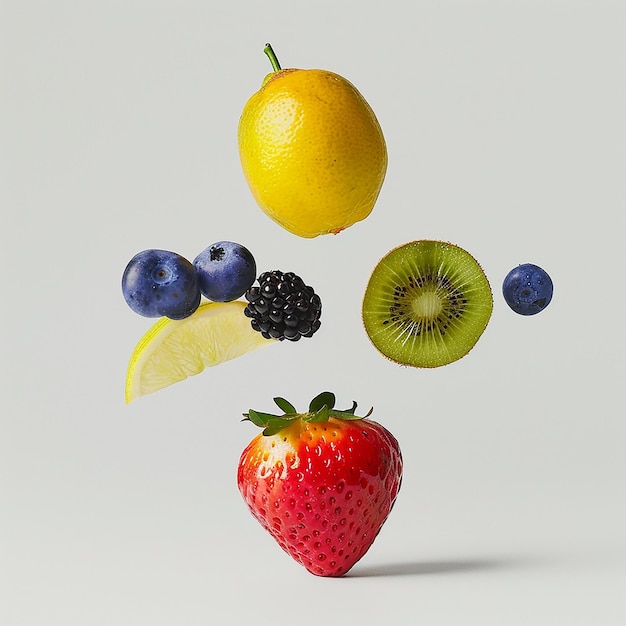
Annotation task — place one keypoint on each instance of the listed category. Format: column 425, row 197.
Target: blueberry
column 225, row 271
column 527, row 289
column 160, row 283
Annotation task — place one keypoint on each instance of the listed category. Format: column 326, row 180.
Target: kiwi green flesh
column 426, row 304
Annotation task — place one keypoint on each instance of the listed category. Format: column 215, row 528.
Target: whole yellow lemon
column 312, row 150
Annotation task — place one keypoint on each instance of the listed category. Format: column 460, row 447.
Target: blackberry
column 282, row 306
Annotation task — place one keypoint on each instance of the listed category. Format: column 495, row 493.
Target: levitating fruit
column 426, row 304
column 173, row 350
column 158, row 283
column 322, row 483
column 225, row 270
column 527, row 289
column 282, row 306
column 312, row 150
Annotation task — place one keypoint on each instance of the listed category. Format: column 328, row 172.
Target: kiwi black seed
column 426, row 304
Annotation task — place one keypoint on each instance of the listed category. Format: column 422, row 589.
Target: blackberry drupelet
column 282, row 306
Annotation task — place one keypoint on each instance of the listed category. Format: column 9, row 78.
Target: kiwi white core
column 427, row 305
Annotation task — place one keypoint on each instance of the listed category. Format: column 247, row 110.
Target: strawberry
column 322, row 483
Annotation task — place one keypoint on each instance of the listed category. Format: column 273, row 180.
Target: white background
column 506, row 135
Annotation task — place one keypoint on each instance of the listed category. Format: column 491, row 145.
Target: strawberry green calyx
column 321, row 409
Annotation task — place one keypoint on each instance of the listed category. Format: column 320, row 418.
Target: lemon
column 312, row 150
column 172, row 350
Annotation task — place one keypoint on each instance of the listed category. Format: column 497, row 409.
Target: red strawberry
column 322, row 483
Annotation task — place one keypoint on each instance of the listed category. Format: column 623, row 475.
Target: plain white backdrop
column 506, row 135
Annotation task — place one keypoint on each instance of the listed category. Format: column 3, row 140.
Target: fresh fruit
column 426, row 304
column 159, row 283
column 527, row 289
column 282, row 306
column 225, row 270
column 312, row 150
column 173, row 350
column 322, row 483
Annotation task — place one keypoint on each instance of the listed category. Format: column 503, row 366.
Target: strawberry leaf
column 346, row 415
column 326, row 398
column 284, row 405
column 349, row 414
column 277, row 424
column 352, row 409
column 320, row 410
column 272, row 430
column 260, row 419
column 321, row 415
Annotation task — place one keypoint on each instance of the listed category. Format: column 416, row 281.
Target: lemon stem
column 272, row 57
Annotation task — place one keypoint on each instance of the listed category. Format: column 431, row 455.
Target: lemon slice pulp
column 173, row 350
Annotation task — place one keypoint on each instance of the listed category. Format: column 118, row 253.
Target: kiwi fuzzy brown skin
column 426, row 304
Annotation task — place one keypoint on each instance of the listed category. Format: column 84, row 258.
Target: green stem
column 272, row 57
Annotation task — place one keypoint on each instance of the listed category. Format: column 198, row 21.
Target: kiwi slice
column 426, row 304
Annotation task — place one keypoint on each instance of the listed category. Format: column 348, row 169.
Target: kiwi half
column 426, row 304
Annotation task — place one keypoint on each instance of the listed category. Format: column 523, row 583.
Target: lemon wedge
column 173, row 350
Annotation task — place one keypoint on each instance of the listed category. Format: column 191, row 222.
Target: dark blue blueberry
column 225, row 271
column 159, row 283
column 527, row 289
